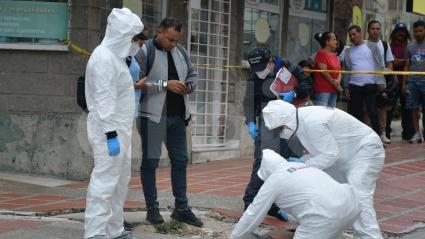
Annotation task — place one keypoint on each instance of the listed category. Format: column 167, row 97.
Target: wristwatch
column 164, row 84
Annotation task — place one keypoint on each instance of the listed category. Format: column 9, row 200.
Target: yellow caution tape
column 371, row 72
column 220, row 66
column 217, row 67
column 76, row 48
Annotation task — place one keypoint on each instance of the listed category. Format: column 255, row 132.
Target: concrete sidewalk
column 216, row 190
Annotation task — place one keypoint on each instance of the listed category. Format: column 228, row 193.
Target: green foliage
column 171, row 227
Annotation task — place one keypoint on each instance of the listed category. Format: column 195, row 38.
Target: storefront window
column 272, row 2
column 152, row 14
column 261, row 26
column 209, row 47
column 406, row 17
column 33, row 22
column 303, row 23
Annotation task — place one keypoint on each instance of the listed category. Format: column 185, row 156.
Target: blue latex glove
column 252, row 130
column 287, row 96
column 283, row 214
column 113, row 146
column 297, row 160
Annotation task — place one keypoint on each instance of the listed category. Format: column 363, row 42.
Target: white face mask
column 263, row 74
column 134, row 48
column 286, row 133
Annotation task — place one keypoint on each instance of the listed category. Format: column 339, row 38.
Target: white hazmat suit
column 341, row 145
column 322, row 207
column 110, row 101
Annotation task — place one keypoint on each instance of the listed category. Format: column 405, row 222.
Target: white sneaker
column 416, row 139
column 126, row 235
column 384, row 139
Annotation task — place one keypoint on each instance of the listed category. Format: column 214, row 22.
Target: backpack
column 81, row 94
column 387, row 101
column 391, row 80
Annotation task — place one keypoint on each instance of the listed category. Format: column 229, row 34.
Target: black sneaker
column 153, row 216
column 128, row 226
column 186, row 215
column 126, row 235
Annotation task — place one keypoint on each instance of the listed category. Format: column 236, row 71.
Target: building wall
column 387, row 12
column 236, row 129
column 42, row 129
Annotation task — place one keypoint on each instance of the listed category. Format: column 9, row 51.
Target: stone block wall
column 42, row 129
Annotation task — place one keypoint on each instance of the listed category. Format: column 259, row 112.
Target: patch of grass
column 171, row 227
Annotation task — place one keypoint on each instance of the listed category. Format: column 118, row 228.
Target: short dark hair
column 373, row 22
column 356, row 27
column 419, row 23
column 170, row 22
column 305, row 63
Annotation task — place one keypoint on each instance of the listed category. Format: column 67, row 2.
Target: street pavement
column 44, row 207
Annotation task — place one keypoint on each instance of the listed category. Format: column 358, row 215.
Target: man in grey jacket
column 163, row 116
column 361, row 89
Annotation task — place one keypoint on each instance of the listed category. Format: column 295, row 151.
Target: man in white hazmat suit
column 110, row 100
column 341, row 145
column 322, row 207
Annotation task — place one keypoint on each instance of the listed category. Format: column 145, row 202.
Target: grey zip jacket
column 379, row 65
column 153, row 99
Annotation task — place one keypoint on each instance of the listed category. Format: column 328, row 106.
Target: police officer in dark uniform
column 263, row 71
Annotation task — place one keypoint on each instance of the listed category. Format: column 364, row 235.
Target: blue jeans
column 325, row 99
column 171, row 131
column 416, row 96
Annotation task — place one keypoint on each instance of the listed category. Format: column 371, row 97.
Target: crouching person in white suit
column 322, row 207
column 339, row 144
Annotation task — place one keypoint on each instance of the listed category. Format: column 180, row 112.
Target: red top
column 321, row 84
column 398, row 52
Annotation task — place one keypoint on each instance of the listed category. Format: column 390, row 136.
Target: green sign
column 34, row 19
column 315, row 5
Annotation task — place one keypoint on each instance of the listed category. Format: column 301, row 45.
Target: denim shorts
column 416, row 94
column 326, row 99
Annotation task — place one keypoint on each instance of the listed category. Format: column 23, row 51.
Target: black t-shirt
column 174, row 102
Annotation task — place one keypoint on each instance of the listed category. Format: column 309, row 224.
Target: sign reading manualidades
column 34, row 19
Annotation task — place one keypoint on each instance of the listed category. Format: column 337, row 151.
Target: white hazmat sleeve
column 256, row 212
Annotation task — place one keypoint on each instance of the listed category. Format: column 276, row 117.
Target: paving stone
column 48, row 197
column 12, row 225
column 399, row 196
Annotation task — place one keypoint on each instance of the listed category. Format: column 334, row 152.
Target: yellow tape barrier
column 76, row 48
column 372, row 72
column 209, row 66
column 85, row 53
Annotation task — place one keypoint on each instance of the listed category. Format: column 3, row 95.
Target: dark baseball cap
column 141, row 36
column 258, row 58
column 399, row 26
